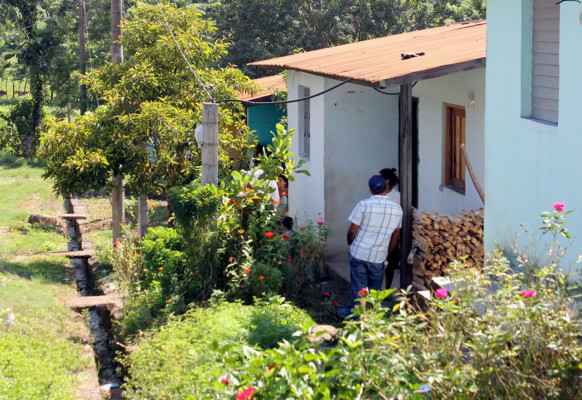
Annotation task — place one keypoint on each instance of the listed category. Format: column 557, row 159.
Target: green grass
column 24, row 191
column 42, row 353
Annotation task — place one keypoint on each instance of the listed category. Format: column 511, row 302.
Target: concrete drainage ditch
column 91, row 298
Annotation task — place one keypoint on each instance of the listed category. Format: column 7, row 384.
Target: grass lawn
column 43, row 352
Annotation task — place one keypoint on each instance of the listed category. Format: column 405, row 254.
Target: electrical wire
column 183, row 55
column 392, row 94
column 252, row 103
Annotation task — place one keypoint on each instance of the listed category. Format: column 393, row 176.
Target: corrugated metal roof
column 449, row 48
column 268, row 85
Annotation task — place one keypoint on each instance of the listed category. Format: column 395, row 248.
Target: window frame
column 454, row 163
column 304, row 122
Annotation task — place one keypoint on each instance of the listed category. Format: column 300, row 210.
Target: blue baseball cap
column 377, row 184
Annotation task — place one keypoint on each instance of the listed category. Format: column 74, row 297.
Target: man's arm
column 352, row 232
column 394, row 240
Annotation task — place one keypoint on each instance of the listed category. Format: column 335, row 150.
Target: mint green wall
column 529, row 165
column 263, row 119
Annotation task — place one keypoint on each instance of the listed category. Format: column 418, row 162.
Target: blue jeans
column 362, row 274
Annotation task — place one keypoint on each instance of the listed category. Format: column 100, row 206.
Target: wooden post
column 210, row 144
column 142, row 209
column 405, row 164
column 118, row 208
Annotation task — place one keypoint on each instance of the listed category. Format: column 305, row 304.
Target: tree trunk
column 36, row 88
column 82, row 88
column 117, row 204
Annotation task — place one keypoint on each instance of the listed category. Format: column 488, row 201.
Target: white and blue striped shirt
column 377, row 217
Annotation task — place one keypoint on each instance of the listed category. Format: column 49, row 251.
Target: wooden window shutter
column 545, row 60
column 455, row 122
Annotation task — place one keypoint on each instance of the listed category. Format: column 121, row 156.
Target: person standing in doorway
column 393, row 259
column 389, row 175
column 373, row 233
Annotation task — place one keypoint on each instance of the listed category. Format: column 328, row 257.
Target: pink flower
column 334, row 303
column 302, row 252
column 442, row 293
column 245, row 394
column 302, row 228
column 114, row 249
column 527, row 293
column 320, row 223
column 326, row 294
column 289, row 260
column 115, row 244
column 224, row 380
column 363, row 292
column 269, row 235
column 559, row 207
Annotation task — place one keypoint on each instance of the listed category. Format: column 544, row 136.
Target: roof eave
column 396, row 80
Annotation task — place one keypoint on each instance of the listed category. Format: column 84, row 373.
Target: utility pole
column 82, row 88
column 210, row 144
column 118, row 208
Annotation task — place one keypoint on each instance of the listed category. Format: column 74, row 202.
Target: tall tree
column 35, row 47
column 152, row 103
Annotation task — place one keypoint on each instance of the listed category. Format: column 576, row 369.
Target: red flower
column 302, row 228
column 224, row 380
column 269, row 235
column 286, row 237
column 289, row 260
column 239, row 207
column 249, row 212
column 276, row 202
column 230, row 258
column 326, row 294
column 559, row 207
column 232, row 201
column 247, row 271
column 302, row 252
column 320, row 223
column 245, row 394
column 256, row 199
column 334, row 303
column 363, row 292
column 271, row 367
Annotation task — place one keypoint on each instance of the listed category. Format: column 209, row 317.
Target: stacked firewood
column 438, row 239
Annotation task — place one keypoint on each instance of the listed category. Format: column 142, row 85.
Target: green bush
column 188, row 357
column 14, row 129
column 504, row 333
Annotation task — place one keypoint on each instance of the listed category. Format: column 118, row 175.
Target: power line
column 183, row 55
column 252, row 103
column 392, row 94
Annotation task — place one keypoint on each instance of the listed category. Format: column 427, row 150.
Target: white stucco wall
column 306, row 193
column 433, row 94
column 530, row 164
column 361, row 138
column 354, row 134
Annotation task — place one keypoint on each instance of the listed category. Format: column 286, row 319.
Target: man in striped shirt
column 373, row 234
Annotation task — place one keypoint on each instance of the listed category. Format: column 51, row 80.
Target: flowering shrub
column 126, row 259
column 500, row 334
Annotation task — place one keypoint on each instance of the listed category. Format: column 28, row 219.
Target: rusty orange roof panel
column 267, row 87
column 449, row 48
